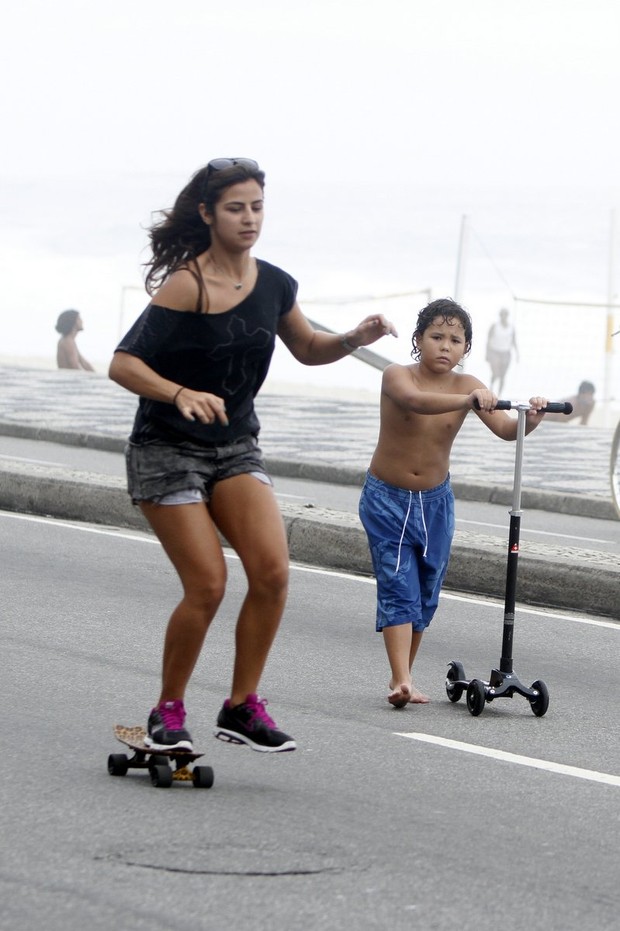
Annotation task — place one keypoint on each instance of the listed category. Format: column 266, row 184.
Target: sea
column 550, row 255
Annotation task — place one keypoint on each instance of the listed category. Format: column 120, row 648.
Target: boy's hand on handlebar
column 199, row 405
column 482, row 399
column 537, row 409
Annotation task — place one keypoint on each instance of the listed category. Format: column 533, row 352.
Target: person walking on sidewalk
column 501, row 341
column 197, row 357
column 407, row 505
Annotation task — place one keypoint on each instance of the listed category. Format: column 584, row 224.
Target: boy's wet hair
column 450, row 313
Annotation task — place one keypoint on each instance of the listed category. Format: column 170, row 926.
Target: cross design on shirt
column 237, row 375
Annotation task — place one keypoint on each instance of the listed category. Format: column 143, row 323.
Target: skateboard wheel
column 161, row 776
column 118, row 764
column 202, row 777
column 158, row 760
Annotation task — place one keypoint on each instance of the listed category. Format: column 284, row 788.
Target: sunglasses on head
column 219, row 164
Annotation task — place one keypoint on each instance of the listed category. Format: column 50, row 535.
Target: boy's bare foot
column 418, row 698
column 400, row 695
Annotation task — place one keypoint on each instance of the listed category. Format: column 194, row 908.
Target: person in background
column 501, row 340
column 407, row 505
column 583, row 404
column 68, row 356
column 197, row 357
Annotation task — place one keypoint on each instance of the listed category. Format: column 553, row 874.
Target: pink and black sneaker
column 165, row 730
column 250, row 724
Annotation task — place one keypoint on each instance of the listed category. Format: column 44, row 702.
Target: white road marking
column 83, row 528
column 591, row 774
column 35, row 461
column 525, row 530
column 145, row 537
column 538, row 612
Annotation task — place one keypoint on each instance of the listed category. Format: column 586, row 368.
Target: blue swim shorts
column 410, row 535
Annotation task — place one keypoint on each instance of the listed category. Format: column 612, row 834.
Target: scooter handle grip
column 559, row 407
column 553, row 407
column 500, row 406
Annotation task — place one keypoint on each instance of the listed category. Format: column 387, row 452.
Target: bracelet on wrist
column 346, row 344
column 174, row 400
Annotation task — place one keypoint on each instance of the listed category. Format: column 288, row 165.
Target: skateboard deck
column 133, row 737
column 158, row 762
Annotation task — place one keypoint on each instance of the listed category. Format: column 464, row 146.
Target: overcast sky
column 492, row 91
column 107, row 109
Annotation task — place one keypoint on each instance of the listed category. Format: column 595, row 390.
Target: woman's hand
column 370, row 330
column 198, row 405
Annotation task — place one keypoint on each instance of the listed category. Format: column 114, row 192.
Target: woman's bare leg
column 190, row 540
column 247, row 513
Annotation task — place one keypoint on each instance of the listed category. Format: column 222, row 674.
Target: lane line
column 562, row 769
column 525, row 530
column 145, row 537
column 537, row 612
column 62, row 465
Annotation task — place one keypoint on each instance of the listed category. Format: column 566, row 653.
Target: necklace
column 237, row 285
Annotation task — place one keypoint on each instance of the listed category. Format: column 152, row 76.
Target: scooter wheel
column 454, row 673
column 539, row 704
column 476, row 697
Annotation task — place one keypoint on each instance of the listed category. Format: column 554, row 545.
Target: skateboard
column 164, row 766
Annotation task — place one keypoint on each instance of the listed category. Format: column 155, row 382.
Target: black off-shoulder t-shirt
column 225, row 354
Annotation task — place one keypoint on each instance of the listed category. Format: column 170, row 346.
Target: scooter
column 503, row 683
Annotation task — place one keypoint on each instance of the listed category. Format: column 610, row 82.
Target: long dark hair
column 182, row 235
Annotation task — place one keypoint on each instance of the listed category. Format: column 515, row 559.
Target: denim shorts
column 185, row 472
column 410, row 535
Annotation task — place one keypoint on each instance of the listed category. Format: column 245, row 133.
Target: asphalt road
column 491, row 519
column 381, row 819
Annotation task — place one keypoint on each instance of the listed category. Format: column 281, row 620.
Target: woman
column 68, row 356
column 197, row 357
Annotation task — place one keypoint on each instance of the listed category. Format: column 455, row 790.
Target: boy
column 407, row 505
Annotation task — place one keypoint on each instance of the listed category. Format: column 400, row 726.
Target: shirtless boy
column 407, row 505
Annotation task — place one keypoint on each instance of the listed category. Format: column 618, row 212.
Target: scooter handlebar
column 553, row 407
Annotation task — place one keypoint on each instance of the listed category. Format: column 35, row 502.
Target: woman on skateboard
column 197, row 357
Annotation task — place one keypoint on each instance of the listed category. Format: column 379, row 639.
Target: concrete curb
column 561, row 577
column 563, row 503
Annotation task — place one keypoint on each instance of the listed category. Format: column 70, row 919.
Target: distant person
column 68, row 356
column 583, row 404
column 407, row 504
column 501, row 341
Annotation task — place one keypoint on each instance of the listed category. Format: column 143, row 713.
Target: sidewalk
column 565, row 469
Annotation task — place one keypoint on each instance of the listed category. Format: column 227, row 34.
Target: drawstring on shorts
column 400, row 542
column 423, row 524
